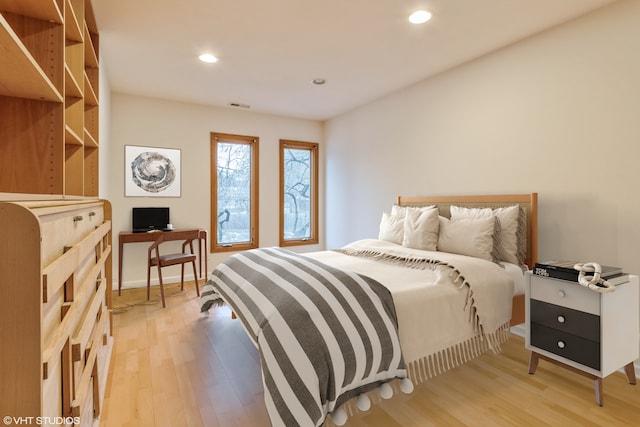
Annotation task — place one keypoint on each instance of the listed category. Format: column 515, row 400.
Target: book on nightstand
column 564, row 270
column 617, row 279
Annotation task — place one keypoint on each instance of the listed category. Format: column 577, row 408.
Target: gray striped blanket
column 324, row 335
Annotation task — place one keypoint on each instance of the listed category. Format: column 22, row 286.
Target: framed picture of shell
column 151, row 171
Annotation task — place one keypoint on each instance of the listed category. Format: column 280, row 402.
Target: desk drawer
column 564, row 319
column 566, row 294
column 569, row 346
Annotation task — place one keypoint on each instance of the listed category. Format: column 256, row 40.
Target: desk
column 130, row 237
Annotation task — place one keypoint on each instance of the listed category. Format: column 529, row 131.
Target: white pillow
column 391, row 228
column 402, row 210
column 421, row 228
column 458, row 212
column 398, row 210
column 471, row 237
column 392, row 225
column 510, row 239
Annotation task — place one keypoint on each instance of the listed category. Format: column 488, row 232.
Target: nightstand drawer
column 566, row 294
column 569, row 346
column 564, row 319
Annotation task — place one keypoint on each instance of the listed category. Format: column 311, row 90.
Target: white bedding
column 436, row 321
column 450, row 308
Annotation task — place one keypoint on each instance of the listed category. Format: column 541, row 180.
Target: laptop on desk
column 148, row 219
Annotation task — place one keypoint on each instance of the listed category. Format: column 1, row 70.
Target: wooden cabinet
column 48, row 98
column 592, row 333
column 55, row 237
column 55, row 298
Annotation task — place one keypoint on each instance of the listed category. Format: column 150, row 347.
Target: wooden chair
column 154, row 257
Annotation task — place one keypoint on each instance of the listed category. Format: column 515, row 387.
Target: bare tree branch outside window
column 234, row 192
column 298, row 193
column 297, row 207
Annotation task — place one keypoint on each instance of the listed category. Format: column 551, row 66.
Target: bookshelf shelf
column 48, row 97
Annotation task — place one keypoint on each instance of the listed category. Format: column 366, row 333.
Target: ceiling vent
column 238, row 105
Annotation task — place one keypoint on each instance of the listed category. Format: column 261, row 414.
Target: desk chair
column 188, row 236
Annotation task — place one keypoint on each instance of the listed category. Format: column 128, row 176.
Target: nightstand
column 587, row 332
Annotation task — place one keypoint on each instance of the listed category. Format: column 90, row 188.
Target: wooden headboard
column 528, row 201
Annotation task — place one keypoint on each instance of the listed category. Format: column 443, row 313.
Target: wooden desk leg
column 599, row 395
column 630, row 370
column 533, row 362
column 202, row 240
column 120, row 247
column 206, row 255
column 200, row 252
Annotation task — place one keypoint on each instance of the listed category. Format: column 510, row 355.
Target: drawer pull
column 561, row 294
column 561, row 319
column 561, row 344
column 92, row 213
column 77, row 218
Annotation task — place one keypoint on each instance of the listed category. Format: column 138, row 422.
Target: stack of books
column 564, row 270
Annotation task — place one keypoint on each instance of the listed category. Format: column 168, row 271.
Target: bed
column 529, row 204
column 339, row 329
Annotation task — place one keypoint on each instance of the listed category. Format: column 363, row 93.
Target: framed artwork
column 151, row 171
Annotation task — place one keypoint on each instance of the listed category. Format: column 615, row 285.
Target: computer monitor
column 146, row 219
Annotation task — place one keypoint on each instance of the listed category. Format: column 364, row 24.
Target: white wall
column 558, row 114
column 158, row 123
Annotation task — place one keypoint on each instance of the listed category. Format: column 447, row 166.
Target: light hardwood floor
column 176, row 367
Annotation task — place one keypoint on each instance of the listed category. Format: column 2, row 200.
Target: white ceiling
column 270, row 50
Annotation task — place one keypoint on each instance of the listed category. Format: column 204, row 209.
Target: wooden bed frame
column 528, row 201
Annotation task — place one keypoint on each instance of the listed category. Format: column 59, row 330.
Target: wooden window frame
column 252, row 141
column 313, row 148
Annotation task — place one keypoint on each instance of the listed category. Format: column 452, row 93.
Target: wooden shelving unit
column 55, row 242
column 91, row 91
column 47, row 10
column 49, row 98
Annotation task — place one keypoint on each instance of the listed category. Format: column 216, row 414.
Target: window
column 298, row 193
column 234, row 192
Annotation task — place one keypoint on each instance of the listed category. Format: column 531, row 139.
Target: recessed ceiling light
column 208, row 58
column 419, row 17
column 318, row 81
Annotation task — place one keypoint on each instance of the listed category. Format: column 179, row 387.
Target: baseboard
column 520, row 330
column 134, row 284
